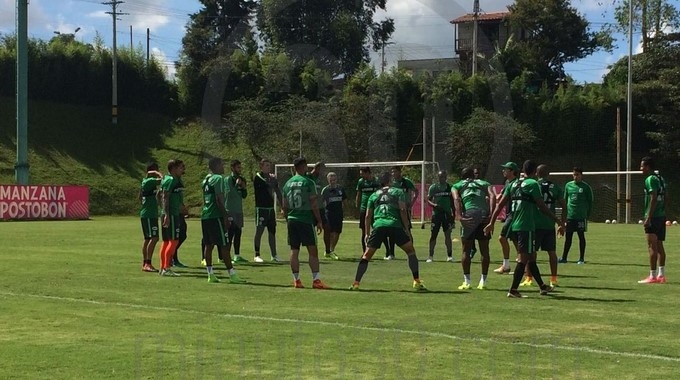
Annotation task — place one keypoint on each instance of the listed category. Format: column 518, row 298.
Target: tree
column 335, row 33
column 554, row 34
column 652, row 17
column 214, row 32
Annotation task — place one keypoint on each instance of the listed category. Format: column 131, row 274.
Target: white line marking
column 348, row 326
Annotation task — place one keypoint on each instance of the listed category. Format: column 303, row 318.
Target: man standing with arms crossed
column 655, row 221
column 235, row 188
column 333, row 195
column 265, row 186
column 173, row 199
column 440, row 198
column 148, row 196
column 510, row 172
column 579, row 198
column 302, row 214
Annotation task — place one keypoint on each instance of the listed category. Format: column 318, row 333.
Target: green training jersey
column 406, row 185
column 579, row 197
column 298, row 191
column 506, row 188
column 233, row 194
column 366, row 188
column 655, row 183
column 385, row 206
column 440, row 193
column 524, row 193
column 473, row 193
column 317, row 183
column 212, row 187
column 148, row 191
column 174, row 190
column 551, row 194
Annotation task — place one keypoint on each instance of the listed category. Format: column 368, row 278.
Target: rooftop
column 494, row 16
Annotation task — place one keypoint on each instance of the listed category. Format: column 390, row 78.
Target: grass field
column 76, row 305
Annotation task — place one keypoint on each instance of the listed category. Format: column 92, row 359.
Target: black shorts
column 658, row 228
column 577, row 225
column 443, row 221
column 150, row 228
column 174, row 229
column 507, row 231
column 525, row 242
column 214, row 233
column 362, row 219
column 546, row 240
column 300, row 234
column 265, row 217
column 334, row 222
column 396, row 235
column 473, row 229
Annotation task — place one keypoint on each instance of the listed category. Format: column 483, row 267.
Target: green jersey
column 298, row 191
column 385, row 206
column 148, row 191
column 579, row 197
column 440, row 193
column 317, row 183
column 212, row 187
column 367, row 188
column 551, row 194
column 506, row 189
column 174, row 190
column 473, row 193
column 655, row 183
column 234, row 195
column 406, row 185
column 524, row 193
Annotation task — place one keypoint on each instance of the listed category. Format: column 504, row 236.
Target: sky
column 422, row 27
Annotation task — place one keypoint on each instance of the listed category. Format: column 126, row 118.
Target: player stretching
column 172, row 190
column 332, row 196
column 655, row 221
column 235, row 188
column 302, row 214
column 148, row 197
column 265, row 186
column 440, row 197
column 579, row 198
column 386, row 214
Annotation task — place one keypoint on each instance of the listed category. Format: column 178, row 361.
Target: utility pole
column 148, row 38
column 131, row 46
column 114, row 75
column 475, row 24
column 21, row 166
column 383, row 61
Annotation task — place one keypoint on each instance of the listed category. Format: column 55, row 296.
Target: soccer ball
column 668, row 222
column 614, row 221
column 675, row 222
column 607, row 221
column 640, row 221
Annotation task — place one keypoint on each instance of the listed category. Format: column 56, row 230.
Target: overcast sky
column 422, row 26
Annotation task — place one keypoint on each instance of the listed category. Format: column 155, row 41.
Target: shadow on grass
column 596, row 288
column 588, row 299
column 574, row 276
column 615, row 264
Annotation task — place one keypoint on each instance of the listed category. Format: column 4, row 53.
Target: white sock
column 662, row 272
column 315, row 276
column 232, row 271
column 467, row 278
column 483, row 278
column 506, row 263
column 652, row 273
column 296, row 276
column 209, row 268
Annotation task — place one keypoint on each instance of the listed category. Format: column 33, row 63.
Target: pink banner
column 44, row 202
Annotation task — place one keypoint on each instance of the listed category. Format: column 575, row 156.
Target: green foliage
column 473, row 142
column 652, row 17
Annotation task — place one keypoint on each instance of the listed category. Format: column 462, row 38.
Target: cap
column 511, row 165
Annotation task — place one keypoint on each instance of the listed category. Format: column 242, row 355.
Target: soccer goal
column 422, row 180
column 613, row 199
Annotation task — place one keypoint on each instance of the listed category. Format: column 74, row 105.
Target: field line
column 348, row 326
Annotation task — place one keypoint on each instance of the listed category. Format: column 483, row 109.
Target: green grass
column 76, row 305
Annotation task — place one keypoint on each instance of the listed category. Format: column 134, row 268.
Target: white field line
column 348, row 326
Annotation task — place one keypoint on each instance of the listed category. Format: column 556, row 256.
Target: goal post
column 425, row 179
column 611, row 200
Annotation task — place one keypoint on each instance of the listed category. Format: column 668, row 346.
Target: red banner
column 44, row 202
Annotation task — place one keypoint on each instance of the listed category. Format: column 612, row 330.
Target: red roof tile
column 495, row 16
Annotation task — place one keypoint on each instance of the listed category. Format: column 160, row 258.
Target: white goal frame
column 423, row 179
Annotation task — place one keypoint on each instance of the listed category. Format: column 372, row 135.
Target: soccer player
column 473, row 201
column 172, row 198
column 525, row 195
column 546, row 239
column 655, row 221
column 411, row 192
column 440, row 198
column 235, row 188
column 386, row 217
column 366, row 186
column 215, row 220
column 265, row 185
column 182, row 226
column 510, row 172
column 315, row 175
column 302, row 214
column 148, row 213
column 579, row 198
column 333, row 195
